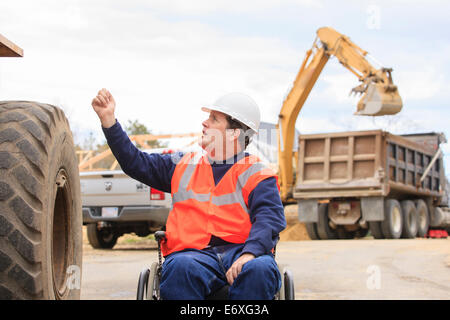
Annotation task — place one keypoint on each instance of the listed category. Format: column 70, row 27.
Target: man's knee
column 182, row 263
column 187, row 275
column 179, row 278
column 261, row 266
column 259, row 279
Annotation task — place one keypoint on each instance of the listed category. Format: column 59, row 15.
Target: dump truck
column 351, row 182
column 40, row 203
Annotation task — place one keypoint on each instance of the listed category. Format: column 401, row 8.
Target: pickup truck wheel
column 40, row 204
column 324, row 230
column 392, row 224
column 424, row 218
column 101, row 238
column 410, row 219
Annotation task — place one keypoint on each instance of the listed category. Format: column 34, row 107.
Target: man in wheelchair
column 226, row 210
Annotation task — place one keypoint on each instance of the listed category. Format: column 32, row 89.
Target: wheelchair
column 149, row 279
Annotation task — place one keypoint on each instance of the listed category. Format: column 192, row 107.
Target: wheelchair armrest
column 160, row 236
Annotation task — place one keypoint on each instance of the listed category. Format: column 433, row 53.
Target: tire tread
column 23, row 154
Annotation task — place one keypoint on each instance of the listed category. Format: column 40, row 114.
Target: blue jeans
column 193, row 274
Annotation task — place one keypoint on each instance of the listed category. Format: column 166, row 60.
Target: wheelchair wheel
column 142, row 284
column 148, row 284
column 287, row 290
column 153, row 283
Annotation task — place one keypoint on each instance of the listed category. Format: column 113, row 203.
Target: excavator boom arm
column 306, row 78
column 380, row 95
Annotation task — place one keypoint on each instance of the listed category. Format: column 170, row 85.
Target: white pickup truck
column 115, row 204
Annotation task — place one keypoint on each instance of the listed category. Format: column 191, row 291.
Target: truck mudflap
column 308, row 210
column 372, row 208
column 126, row 214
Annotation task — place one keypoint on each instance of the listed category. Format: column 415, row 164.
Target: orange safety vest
column 201, row 209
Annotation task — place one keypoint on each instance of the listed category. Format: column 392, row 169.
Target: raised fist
column 104, row 105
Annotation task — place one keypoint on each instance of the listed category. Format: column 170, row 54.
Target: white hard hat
column 240, row 107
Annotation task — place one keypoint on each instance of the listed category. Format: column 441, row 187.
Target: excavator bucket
column 379, row 99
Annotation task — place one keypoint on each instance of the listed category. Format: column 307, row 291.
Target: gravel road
column 334, row 269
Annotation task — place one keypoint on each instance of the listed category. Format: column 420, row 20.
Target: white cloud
column 159, row 72
column 162, row 69
column 339, row 85
column 199, row 7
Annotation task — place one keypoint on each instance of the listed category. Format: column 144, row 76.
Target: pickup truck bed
column 114, row 204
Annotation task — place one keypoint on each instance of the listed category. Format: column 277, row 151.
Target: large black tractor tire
column 40, row 205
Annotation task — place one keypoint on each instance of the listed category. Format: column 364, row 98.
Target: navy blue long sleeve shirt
column 155, row 170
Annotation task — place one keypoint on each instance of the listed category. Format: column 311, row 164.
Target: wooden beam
column 9, row 49
column 88, row 161
column 95, row 159
column 151, row 137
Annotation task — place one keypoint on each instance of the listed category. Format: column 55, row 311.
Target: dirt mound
column 295, row 230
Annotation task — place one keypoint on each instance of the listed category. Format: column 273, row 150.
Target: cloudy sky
column 164, row 59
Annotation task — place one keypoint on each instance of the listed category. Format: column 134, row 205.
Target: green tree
column 135, row 128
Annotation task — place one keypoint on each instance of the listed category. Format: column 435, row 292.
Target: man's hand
column 104, row 105
column 236, row 267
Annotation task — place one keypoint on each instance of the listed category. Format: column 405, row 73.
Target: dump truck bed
column 364, row 164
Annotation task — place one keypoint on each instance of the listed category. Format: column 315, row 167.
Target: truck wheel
column 311, row 229
column 392, row 224
column 424, row 218
column 101, row 238
column 40, row 204
column 410, row 219
column 324, row 230
column 342, row 233
column 361, row 233
column 375, row 229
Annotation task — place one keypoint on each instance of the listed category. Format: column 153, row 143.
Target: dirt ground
column 332, row 269
column 295, row 230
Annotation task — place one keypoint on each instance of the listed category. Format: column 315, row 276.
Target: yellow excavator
column 379, row 95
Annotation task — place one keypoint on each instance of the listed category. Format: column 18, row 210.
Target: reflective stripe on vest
column 201, row 208
column 234, row 197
